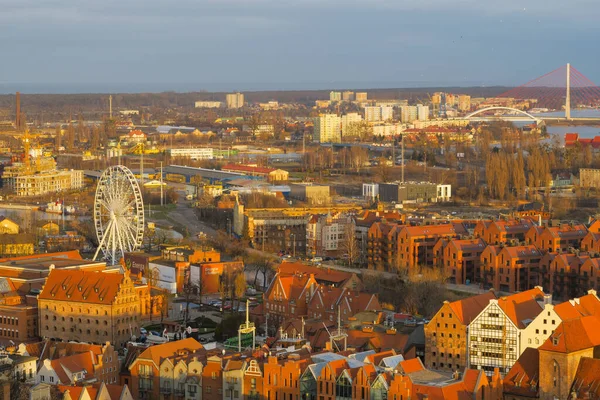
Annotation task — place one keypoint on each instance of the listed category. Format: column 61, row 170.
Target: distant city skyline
column 132, row 46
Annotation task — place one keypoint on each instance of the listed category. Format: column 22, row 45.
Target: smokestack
column 18, row 112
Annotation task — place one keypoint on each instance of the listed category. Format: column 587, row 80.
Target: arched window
column 556, row 376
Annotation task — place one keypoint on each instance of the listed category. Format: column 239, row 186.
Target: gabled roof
column 587, row 379
column 521, row 307
column 435, row 230
column 522, row 251
column 412, row 365
column 81, row 286
column 159, row 352
column 83, row 362
column 468, row 245
column 320, row 274
column 467, row 309
column 523, row 377
column 567, row 231
column 376, row 358
column 579, row 307
column 574, row 335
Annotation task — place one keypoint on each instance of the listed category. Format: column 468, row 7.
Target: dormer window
column 555, row 341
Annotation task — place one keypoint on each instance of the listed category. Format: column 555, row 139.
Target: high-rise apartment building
column 372, row 114
column 349, row 123
column 235, row 100
column 348, row 96
column 360, row 96
column 408, row 114
column 327, row 129
column 335, row 96
column 464, row 102
column 387, row 113
column 379, row 113
column 422, row 112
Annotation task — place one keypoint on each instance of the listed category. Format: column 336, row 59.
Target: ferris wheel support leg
column 102, row 241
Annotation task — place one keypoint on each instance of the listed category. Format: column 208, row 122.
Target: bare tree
column 350, row 244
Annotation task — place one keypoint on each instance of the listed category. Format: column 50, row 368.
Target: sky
column 191, row 45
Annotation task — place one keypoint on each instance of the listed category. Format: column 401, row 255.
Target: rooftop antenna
column 245, row 328
column 338, row 335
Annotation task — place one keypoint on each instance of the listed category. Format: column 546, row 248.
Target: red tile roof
column 579, row 307
column 467, row 309
column 574, row 335
column 157, row 353
column 523, row 377
column 522, row 306
column 587, row 378
column 82, row 286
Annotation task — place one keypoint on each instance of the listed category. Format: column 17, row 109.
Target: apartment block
column 460, row 259
column 234, row 100
column 495, row 232
column 382, row 246
column 329, row 235
column 510, row 268
column 416, row 243
column 557, row 238
column 48, row 182
column 327, row 129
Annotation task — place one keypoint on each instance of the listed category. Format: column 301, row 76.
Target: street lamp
column 293, row 236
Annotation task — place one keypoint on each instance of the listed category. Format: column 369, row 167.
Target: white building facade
column 198, row 153
column 327, row 129
column 235, row 100
column 370, row 191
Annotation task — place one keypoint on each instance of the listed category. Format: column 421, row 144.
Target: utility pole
column 142, row 168
column 568, row 97
column 402, row 152
column 161, row 185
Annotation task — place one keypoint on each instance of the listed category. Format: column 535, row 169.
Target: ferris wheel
column 118, row 214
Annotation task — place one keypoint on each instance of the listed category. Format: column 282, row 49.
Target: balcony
column 166, row 390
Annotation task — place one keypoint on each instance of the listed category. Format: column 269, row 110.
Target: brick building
column 557, row 238
column 510, row 269
column 459, row 259
column 446, row 333
column 416, row 243
column 562, row 274
column 503, row 231
column 94, row 307
column 382, row 246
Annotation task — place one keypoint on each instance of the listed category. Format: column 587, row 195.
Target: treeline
column 510, row 171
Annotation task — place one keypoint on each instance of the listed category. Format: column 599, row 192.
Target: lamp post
column 293, row 236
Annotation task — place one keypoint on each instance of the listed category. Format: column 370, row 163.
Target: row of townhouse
column 506, row 255
column 184, row 370
column 487, row 333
